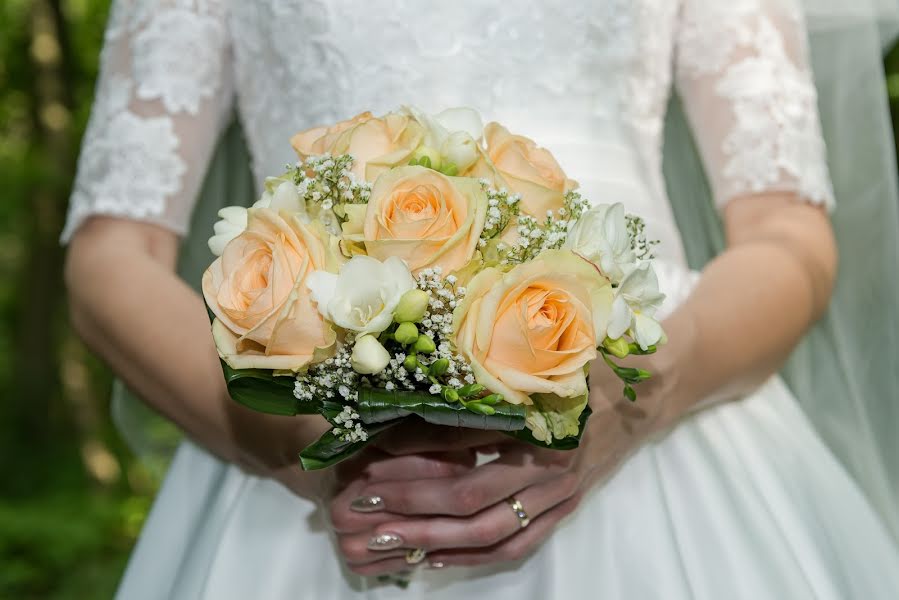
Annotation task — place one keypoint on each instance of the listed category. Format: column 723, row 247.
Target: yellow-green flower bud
column 406, row 333
column 438, row 367
column 411, row 362
column 619, row 347
column 424, row 344
column 427, row 156
column 450, row 395
column 412, row 306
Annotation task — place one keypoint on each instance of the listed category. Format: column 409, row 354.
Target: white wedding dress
column 741, row 500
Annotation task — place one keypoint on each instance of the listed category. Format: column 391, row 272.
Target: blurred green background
column 72, row 498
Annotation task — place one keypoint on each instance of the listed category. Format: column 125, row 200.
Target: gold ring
column 523, row 519
column 415, row 556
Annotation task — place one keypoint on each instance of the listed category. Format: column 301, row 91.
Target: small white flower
column 363, row 296
column 635, row 304
column 369, row 356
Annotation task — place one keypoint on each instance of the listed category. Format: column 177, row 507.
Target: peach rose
column 376, row 143
column 265, row 317
column 525, row 168
column 421, row 216
column 531, row 331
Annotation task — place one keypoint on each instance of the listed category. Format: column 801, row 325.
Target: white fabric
column 740, row 501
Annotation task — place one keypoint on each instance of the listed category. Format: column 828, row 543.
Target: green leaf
column 569, row 443
column 378, row 405
column 329, row 450
column 263, row 392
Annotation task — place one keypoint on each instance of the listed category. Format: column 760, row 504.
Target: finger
column 515, row 470
column 414, row 437
column 422, row 466
column 513, row 548
column 487, row 528
column 392, row 566
column 357, row 549
column 351, row 509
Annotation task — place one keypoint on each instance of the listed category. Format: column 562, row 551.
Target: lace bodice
column 589, row 79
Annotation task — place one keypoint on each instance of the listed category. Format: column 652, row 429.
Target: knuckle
column 561, row 459
column 568, row 484
column 438, row 469
column 487, row 534
column 468, row 499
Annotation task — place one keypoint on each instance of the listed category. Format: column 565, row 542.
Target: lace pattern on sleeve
column 743, row 74
column 158, row 109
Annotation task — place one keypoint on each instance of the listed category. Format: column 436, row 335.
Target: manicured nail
column 436, row 565
column 367, row 504
column 385, row 541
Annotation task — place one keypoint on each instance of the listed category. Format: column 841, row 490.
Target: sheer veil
column 845, row 372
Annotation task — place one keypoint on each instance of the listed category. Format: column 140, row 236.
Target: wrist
column 670, row 368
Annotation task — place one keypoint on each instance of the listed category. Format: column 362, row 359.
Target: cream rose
column 525, row 168
column 532, row 330
column 376, row 143
column 265, row 317
column 421, row 216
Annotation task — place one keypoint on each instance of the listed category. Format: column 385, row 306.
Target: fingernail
column 385, row 541
column 436, row 565
column 367, row 504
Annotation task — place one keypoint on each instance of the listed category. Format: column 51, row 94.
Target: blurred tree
column 71, row 498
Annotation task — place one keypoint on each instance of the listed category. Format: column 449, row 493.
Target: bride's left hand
column 465, row 519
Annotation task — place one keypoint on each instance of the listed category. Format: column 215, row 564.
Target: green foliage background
column 72, row 498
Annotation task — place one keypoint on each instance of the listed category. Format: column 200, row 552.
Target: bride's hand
column 465, row 519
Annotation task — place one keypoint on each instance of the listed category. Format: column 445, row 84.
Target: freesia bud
column 406, row 333
column 412, row 306
column 460, row 149
column 438, row 367
column 369, row 356
column 411, row 362
column 619, row 347
column 424, row 344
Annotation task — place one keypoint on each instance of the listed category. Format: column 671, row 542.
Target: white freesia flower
column 364, row 295
column 460, row 149
column 233, row 221
column 280, row 194
column 601, row 236
column 636, row 301
column 369, row 356
column 441, row 127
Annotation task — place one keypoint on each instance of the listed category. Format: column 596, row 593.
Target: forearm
column 751, row 306
column 152, row 329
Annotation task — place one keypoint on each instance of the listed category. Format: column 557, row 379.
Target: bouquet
column 427, row 266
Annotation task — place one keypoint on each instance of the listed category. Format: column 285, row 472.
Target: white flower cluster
column 347, row 426
column 502, row 207
column 535, row 237
column 329, row 181
column 333, row 379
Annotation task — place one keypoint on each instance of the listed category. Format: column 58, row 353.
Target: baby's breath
column 535, row 236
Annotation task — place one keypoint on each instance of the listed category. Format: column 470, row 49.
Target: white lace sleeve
column 162, row 96
column 743, row 74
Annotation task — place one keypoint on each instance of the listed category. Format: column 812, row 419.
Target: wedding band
column 523, row 518
column 415, row 556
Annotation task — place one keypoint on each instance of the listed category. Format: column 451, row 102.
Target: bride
column 714, row 485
